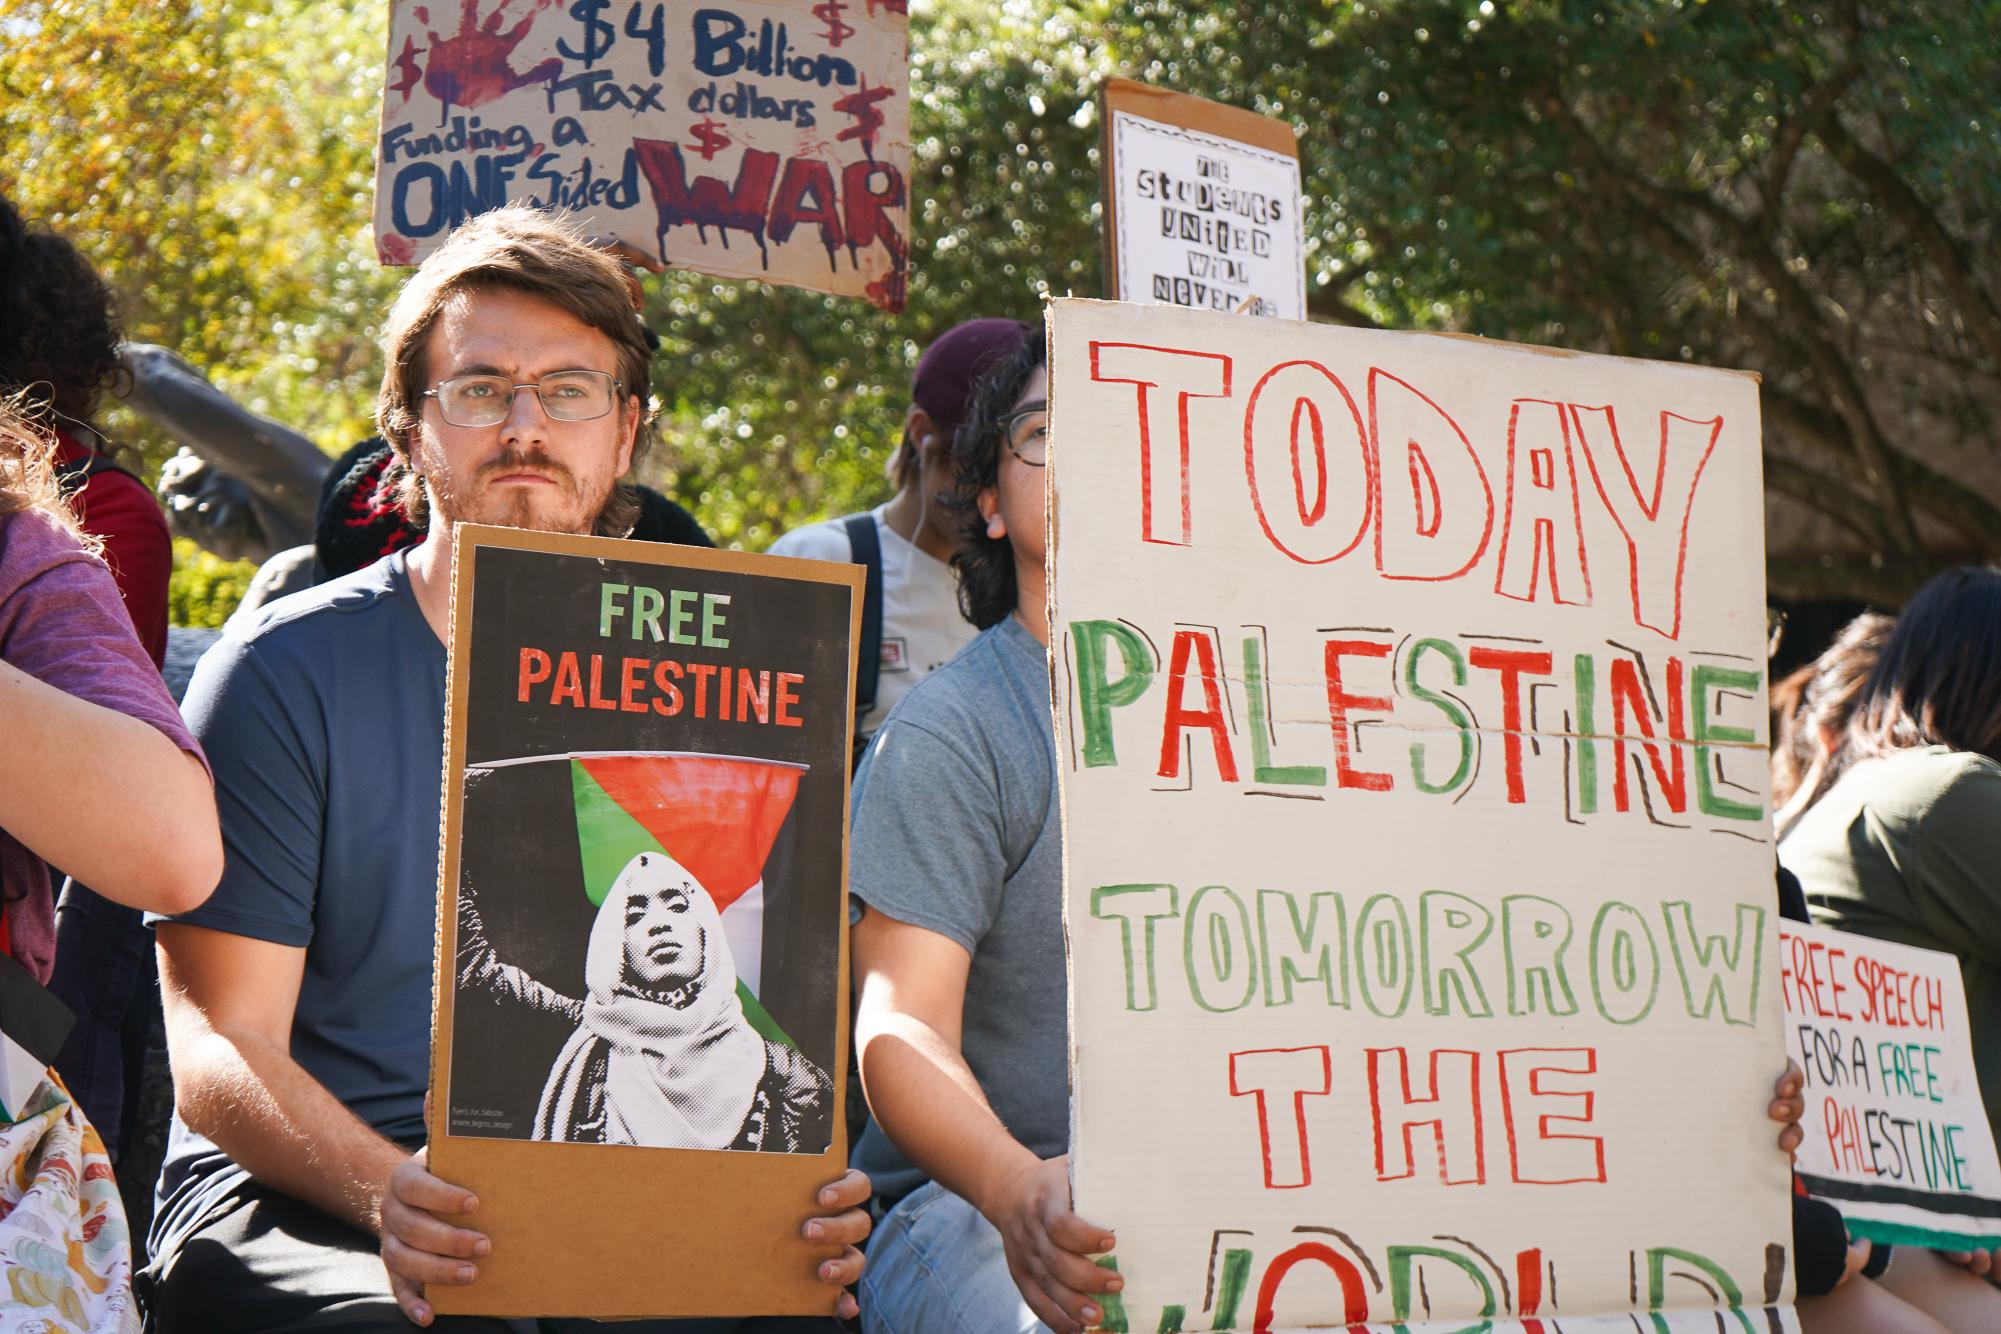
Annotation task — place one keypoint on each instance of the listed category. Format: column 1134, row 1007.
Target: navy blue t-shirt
column 324, row 721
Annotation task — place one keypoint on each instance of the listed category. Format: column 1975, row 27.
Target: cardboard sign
column 761, row 139
column 640, row 1039
column 1896, row 1134
column 1202, row 205
column 1423, row 942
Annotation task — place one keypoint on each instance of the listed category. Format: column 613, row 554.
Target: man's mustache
column 536, row 460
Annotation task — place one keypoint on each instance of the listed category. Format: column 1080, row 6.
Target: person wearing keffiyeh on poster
column 664, row 1056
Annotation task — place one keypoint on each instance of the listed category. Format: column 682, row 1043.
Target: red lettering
column 706, row 202
column 1354, row 1297
column 753, row 698
column 569, row 684
column 1512, row 664
column 1656, row 536
column 1163, row 429
column 1293, row 1074
column 1540, row 525
column 1672, row 779
column 1179, row 716
column 598, row 700
column 788, row 699
column 1426, row 538
column 1292, row 479
column 535, row 668
column 1543, row 1157
column 806, row 194
column 632, row 680
column 1449, row 1108
column 671, row 704
column 701, row 671
column 866, row 205
column 1339, row 701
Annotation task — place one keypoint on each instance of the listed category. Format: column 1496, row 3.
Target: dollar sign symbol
column 709, row 138
column 598, row 32
column 829, row 13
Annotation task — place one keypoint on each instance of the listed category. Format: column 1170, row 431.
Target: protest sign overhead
column 747, row 139
column 1418, row 872
column 1202, row 204
column 642, row 925
column 1896, row 1133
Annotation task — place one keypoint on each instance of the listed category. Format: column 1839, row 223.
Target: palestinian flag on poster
column 717, row 815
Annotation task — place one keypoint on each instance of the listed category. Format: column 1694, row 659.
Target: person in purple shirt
column 100, row 775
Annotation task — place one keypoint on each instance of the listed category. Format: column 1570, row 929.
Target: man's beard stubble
column 520, row 509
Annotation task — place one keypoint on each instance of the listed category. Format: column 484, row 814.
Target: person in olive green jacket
column 1905, row 845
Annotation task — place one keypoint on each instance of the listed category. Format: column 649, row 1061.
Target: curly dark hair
column 985, row 565
column 59, row 335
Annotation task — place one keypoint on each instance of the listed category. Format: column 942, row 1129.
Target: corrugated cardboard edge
column 610, row 1231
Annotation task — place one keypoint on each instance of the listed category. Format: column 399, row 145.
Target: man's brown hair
column 522, row 249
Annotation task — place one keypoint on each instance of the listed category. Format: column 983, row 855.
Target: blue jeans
column 936, row 1264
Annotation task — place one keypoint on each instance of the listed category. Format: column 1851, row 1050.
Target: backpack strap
column 71, row 476
column 865, row 549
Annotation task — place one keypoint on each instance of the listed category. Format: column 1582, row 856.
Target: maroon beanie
column 954, row 363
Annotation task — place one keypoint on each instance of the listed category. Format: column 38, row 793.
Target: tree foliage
column 1806, row 189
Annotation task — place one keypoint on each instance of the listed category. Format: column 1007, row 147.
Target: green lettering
column 1141, row 904
column 1311, row 950
column 1583, row 670
column 608, row 609
column 1383, row 955
column 647, row 605
column 712, row 620
column 1457, row 926
column 1445, row 704
column 1622, row 987
column 1294, row 775
column 1533, row 953
column 1401, row 1265
column 1704, row 679
column 679, row 614
column 1097, row 693
column 1720, row 970
column 1216, row 948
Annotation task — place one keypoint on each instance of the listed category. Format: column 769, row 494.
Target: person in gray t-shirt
column 956, row 856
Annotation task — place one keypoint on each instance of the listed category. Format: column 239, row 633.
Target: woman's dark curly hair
column 58, row 334
column 985, row 565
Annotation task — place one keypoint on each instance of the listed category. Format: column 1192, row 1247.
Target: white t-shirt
column 922, row 629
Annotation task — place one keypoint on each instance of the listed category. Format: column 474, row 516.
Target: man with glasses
column 956, row 859
column 298, row 999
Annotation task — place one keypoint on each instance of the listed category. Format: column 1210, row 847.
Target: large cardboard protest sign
column 641, row 1001
column 748, row 138
column 1896, row 1133
column 1202, row 204
column 1423, row 953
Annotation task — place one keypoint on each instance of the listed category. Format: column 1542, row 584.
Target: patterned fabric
column 65, row 1254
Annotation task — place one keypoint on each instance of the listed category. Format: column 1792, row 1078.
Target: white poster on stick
column 1896, row 1134
column 1422, row 931
column 1204, row 204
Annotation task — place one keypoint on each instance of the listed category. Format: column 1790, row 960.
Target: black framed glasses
column 485, row 400
column 1025, row 432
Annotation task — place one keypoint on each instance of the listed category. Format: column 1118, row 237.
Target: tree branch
column 1970, row 297
column 1794, row 302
